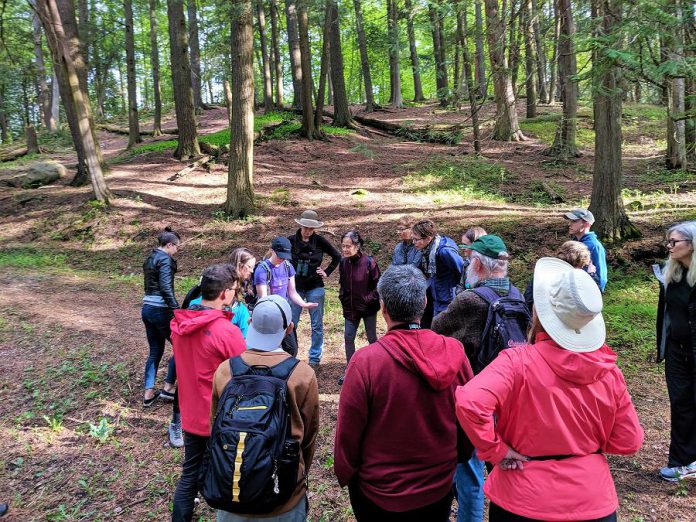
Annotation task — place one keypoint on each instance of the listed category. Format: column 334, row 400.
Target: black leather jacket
column 159, row 269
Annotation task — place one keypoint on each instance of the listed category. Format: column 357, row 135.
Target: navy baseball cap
column 281, row 246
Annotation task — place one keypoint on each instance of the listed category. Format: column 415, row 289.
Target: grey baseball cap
column 269, row 320
column 580, row 213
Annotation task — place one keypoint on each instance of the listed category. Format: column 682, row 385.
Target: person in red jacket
column 560, row 404
column 202, row 338
column 397, row 440
column 357, row 281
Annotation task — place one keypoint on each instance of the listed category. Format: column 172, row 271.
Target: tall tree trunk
column 85, row 31
column 395, row 98
column 133, row 124
column 195, row 46
column 324, row 68
column 481, row 80
column 529, row 60
column 187, row 146
column 43, row 96
column 540, row 54
column 553, row 74
column 439, row 52
column 342, row 116
column 690, row 131
column 364, row 59
column 468, row 76
column 55, row 105
column 415, row 66
column 52, row 21
column 611, row 221
column 309, row 131
column 564, row 146
column 278, row 64
column 507, row 127
column 4, row 128
column 240, row 181
column 295, row 53
column 516, row 37
column 675, row 86
column 154, row 63
column 267, row 85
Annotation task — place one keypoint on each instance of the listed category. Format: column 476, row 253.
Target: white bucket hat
column 569, row 305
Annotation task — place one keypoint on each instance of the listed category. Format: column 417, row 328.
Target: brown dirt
column 71, row 339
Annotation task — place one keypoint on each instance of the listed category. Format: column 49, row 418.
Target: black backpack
column 251, row 298
column 192, row 294
column 506, row 324
column 251, row 462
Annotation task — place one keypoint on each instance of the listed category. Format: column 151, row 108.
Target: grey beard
column 472, row 277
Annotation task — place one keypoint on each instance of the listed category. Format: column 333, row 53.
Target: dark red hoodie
column 397, row 433
column 201, row 340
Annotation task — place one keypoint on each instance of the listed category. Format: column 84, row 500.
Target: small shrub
column 101, row 431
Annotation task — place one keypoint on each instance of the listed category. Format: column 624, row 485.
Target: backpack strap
column 491, row 297
column 284, row 369
column 238, row 366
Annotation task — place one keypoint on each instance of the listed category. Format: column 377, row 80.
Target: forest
column 225, row 119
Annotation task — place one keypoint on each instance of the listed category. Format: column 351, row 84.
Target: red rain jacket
column 549, row 401
column 201, row 340
column 396, row 436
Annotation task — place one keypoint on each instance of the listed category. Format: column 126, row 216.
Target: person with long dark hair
column 358, row 278
column 157, row 312
column 676, row 331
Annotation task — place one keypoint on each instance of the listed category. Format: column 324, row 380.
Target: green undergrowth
column 544, row 128
column 291, row 129
column 32, row 259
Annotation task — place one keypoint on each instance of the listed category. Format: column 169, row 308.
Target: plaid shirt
column 500, row 284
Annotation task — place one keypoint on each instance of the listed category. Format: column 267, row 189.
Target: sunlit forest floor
column 77, row 444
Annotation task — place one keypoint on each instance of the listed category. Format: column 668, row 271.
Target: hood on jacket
column 447, row 241
column 576, row 367
column 186, row 322
column 434, row 357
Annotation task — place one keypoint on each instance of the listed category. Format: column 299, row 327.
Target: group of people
column 472, row 374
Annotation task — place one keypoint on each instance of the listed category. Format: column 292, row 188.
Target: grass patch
column 544, row 129
column 30, row 259
column 155, row 146
column 471, row 177
column 660, row 174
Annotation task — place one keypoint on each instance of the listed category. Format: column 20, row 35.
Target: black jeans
column 498, row 514
column 428, row 313
column 187, row 488
column 289, row 343
column 680, row 373
column 367, row 511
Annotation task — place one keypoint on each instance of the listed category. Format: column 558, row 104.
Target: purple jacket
column 358, row 286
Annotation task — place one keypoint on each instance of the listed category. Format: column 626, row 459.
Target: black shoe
column 165, row 395
column 340, row 380
column 4, row 508
column 149, row 402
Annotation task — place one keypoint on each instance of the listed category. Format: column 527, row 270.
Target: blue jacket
column 406, row 254
column 598, row 255
column 448, row 273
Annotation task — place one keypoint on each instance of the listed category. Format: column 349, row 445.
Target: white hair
column 490, row 265
column 674, row 269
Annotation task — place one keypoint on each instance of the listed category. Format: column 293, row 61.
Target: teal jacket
column 240, row 317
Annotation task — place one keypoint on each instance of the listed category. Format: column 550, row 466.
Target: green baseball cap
column 491, row 246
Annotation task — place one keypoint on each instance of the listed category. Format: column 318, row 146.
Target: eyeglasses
column 413, row 238
column 673, row 242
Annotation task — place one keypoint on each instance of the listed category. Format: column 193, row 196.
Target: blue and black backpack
column 251, row 463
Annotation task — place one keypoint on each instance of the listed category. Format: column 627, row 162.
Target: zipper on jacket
column 245, row 408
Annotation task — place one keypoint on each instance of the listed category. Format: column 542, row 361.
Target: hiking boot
column 677, row 473
column 176, row 436
column 314, row 365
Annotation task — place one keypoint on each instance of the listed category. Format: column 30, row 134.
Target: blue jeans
column 157, row 321
column 316, row 315
column 468, row 483
column 351, row 330
column 296, row 514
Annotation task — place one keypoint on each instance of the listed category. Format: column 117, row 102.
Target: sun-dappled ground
column 77, row 445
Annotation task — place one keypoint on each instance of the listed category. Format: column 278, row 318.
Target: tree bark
column 154, row 63
column 396, row 100
column 267, row 84
column 438, row 52
column 240, row 181
column 540, row 54
column 195, row 46
column 481, row 80
column 133, row 124
column 43, row 96
column 364, row 59
column 4, row 128
column 55, row 105
column 415, row 65
column 516, row 37
column 295, row 53
column 553, row 74
column 467, row 74
column 507, row 127
column 342, row 115
column 529, row 60
column 324, row 68
column 187, row 146
column 564, row 146
column 611, row 221
column 57, row 39
column 675, row 87
column 309, row 131
column 277, row 63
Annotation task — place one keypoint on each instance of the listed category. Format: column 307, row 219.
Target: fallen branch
column 193, row 166
column 550, row 192
column 121, row 130
column 14, row 154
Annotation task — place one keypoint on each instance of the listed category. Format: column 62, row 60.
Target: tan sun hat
column 569, row 305
column 309, row 219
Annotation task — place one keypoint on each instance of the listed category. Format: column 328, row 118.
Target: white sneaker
column 176, row 436
column 677, row 473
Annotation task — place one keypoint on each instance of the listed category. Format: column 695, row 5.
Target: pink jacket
column 551, row 402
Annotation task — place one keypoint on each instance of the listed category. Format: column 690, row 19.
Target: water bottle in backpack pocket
column 251, row 463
